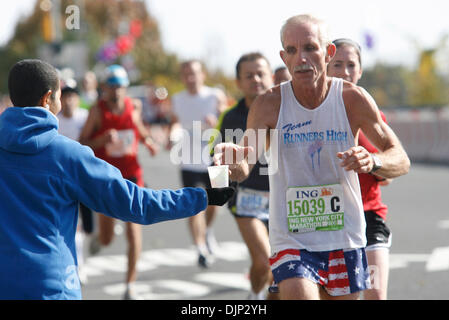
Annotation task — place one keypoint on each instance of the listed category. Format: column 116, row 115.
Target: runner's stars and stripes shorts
column 340, row 272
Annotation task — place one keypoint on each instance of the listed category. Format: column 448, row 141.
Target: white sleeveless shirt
column 314, row 203
column 191, row 111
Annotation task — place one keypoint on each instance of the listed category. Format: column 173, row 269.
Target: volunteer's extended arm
column 101, row 187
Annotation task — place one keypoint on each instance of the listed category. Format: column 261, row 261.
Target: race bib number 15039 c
column 315, row 208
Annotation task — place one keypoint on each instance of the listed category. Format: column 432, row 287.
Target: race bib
column 124, row 145
column 315, row 208
column 252, row 203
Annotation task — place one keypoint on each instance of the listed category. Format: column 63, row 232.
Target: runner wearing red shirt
column 123, row 152
column 347, row 64
column 113, row 130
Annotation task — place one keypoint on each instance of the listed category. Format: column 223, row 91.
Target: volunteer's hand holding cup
column 220, row 192
column 226, row 156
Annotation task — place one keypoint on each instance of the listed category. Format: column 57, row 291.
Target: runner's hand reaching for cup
column 236, row 157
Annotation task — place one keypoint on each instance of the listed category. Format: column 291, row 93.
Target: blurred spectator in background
column 281, row 74
column 67, row 77
column 156, row 113
column 156, row 108
column 89, row 93
column 72, row 117
column 71, row 121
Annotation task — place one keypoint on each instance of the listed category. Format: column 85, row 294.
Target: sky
column 219, row 32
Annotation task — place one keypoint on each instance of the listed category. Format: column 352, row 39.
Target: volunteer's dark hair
column 248, row 57
column 29, row 80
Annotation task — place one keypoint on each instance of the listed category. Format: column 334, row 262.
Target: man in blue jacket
column 43, row 177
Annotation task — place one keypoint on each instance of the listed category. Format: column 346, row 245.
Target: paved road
column 419, row 256
column 419, row 219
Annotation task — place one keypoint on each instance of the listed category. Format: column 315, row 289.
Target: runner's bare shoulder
column 265, row 108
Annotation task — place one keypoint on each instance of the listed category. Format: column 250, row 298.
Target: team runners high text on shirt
column 329, row 136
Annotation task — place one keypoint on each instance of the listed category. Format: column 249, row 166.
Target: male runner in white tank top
column 198, row 106
column 317, row 228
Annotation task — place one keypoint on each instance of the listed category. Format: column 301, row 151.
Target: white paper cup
column 219, row 176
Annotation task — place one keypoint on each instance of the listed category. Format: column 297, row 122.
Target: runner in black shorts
column 195, row 179
column 347, row 64
column 196, row 107
column 378, row 235
column 250, row 203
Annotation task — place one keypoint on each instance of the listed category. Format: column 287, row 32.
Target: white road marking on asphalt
column 167, row 289
column 439, row 259
column 443, row 224
column 114, row 263
column 171, row 257
column 232, row 251
column 225, row 279
column 401, row 260
column 152, row 259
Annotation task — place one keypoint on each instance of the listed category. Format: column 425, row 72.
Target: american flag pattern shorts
column 340, row 272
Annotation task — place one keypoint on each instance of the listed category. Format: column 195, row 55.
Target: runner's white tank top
column 308, row 188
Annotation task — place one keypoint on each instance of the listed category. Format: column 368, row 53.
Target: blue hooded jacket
column 43, row 177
